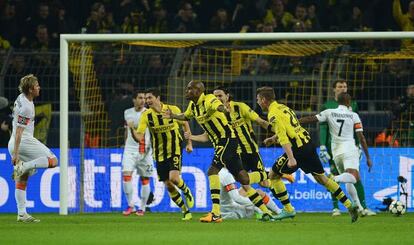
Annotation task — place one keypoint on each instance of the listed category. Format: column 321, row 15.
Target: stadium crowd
column 37, row 24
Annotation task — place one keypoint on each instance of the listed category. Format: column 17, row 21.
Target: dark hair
column 266, row 92
column 222, row 88
column 139, row 91
column 343, row 98
column 338, row 81
column 154, row 91
column 225, row 90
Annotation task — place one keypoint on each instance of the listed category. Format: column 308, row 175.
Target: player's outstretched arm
column 364, row 145
column 199, row 138
column 308, row 119
column 170, row 115
column 263, row 123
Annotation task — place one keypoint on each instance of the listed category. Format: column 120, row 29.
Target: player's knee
column 21, row 185
column 320, row 178
column 52, row 161
column 212, row 171
column 170, row 186
column 144, row 180
column 243, row 178
column 127, row 178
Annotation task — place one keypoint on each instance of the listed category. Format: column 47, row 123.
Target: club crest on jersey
column 23, row 120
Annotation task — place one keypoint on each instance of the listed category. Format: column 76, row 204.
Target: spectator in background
column 64, row 23
column 10, row 25
column 220, row 22
column 42, row 18
column 41, row 42
column 276, row 13
column 301, row 16
column 5, row 122
column 158, row 22
column 96, row 22
column 313, row 18
column 186, row 20
column 135, row 23
column 405, row 21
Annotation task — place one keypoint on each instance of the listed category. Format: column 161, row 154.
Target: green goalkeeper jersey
column 324, row 136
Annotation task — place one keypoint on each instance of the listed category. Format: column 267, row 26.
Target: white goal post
column 64, row 69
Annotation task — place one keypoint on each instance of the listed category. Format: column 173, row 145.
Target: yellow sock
column 215, row 193
column 279, row 191
column 337, row 192
column 257, row 200
column 181, row 184
column 176, row 197
column 256, row 177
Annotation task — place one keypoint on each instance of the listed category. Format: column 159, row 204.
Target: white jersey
column 227, row 181
column 23, row 116
column 342, row 123
column 130, row 144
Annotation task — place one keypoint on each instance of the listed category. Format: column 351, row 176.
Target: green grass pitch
column 167, row 228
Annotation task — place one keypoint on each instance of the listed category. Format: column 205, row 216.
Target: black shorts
column 164, row 167
column 225, row 155
column 306, row 158
column 252, row 162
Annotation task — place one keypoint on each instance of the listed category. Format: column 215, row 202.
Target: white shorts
column 236, row 211
column 347, row 160
column 143, row 163
column 30, row 148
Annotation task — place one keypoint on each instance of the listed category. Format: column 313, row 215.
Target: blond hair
column 26, row 83
column 266, row 92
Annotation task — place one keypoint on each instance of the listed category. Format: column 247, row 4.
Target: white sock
column 127, row 186
column 272, row 206
column 145, row 192
column 350, row 188
column 41, row 162
column 20, row 196
column 345, row 178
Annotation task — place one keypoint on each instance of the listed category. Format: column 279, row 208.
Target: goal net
column 99, row 74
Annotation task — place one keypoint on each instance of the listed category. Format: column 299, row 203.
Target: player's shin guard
column 256, row 177
column 337, row 192
column 127, row 186
column 215, row 193
column 270, row 204
column 257, row 200
column 279, row 191
column 361, row 193
column 145, row 192
column 350, row 188
column 20, row 196
column 176, row 197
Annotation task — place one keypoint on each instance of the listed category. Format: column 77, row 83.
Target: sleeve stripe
column 229, row 187
column 357, row 125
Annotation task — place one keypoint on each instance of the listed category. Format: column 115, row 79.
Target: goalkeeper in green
column 325, row 154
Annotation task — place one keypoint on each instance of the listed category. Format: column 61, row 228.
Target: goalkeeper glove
column 323, row 154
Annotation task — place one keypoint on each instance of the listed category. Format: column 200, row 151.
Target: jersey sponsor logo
column 23, row 120
column 163, row 128
column 237, row 123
